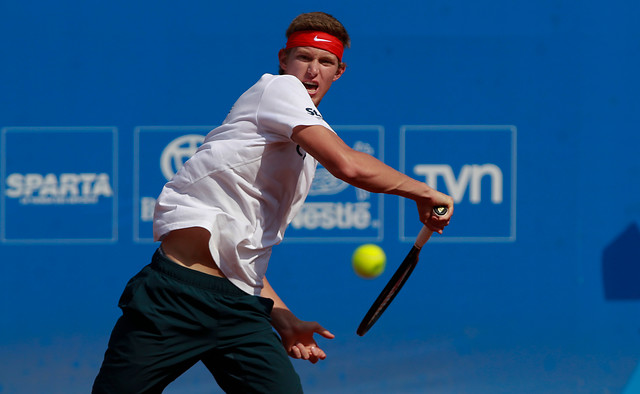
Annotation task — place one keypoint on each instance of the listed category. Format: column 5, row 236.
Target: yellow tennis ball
column 369, row 261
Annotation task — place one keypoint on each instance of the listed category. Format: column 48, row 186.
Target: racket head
column 390, row 291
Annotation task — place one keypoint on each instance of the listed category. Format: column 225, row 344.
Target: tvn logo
column 476, row 166
column 470, row 178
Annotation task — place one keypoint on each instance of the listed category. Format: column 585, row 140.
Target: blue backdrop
column 526, row 112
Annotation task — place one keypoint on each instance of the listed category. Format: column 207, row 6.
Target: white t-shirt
column 247, row 181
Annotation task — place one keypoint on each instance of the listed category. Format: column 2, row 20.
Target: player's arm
column 366, row 172
column 296, row 335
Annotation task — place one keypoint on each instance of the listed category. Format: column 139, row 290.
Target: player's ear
column 341, row 69
column 282, row 58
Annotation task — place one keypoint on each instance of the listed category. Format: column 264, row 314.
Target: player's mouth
column 312, row 87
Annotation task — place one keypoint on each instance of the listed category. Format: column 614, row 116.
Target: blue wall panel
column 534, row 289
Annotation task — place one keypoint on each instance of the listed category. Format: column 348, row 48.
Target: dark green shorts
column 174, row 317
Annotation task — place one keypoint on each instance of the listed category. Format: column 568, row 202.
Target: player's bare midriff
column 189, row 247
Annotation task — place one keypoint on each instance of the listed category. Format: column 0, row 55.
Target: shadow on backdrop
column 621, row 266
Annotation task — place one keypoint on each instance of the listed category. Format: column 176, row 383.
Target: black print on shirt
column 313, row 112
column 302, row 153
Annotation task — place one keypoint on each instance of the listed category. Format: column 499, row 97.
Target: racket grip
column 423, row 236
column 425, row 233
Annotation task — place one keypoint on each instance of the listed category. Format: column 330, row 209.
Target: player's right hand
column 429, row 218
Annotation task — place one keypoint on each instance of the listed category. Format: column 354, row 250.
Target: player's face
column 316, row 68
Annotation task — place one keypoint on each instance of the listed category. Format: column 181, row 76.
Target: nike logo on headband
column 316, row 39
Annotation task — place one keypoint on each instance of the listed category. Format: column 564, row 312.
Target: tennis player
column 204, row 296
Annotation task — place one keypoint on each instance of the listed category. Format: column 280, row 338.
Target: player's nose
column 313, row 67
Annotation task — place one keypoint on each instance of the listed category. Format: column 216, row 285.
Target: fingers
column 323, row 332
column 310, row 353
column 300, row 343
column 437, row 223
column 433, row 221
column 295, row 351
column 317, row 354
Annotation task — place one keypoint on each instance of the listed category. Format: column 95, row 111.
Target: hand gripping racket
column 398, row 279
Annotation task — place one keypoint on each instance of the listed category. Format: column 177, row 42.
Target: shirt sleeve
column 286, row 104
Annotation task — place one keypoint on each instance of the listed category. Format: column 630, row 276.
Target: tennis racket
column 398, row 279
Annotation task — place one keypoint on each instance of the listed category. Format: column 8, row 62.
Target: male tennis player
column 205, row 297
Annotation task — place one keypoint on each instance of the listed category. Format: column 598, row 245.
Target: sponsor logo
column 147, row 205
column 335, row 210
column 159, row 153
column 324, row 183
column 480, row 176
column 470, row 178
column 62, row 191
column 318, row 39
column 329, row 216
column 336, row 215
column 52, row 189
column 178, row 152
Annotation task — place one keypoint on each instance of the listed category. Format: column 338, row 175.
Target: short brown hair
column 319, row 21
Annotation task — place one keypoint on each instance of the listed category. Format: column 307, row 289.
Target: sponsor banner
column 59, row 184
column 159, row 152
column 336, row 211
column 476, row 165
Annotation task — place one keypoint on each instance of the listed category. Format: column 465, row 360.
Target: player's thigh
column 256, row 364
column 139, row 360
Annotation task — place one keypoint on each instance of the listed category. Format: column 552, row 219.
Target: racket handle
column 423, row 236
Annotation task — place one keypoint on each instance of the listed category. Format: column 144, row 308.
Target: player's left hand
column 297, row 336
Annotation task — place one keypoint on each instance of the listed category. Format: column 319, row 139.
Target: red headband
column 316, row 39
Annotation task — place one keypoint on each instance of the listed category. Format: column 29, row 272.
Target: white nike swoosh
column 320, row 39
